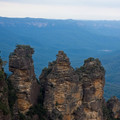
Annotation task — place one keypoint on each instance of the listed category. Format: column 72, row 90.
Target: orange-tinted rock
column 23, row 77
column 63, row 90
column 92, row 76
column 70, row 94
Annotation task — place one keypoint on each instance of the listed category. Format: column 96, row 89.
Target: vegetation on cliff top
column 27, row 49
column 2, row 63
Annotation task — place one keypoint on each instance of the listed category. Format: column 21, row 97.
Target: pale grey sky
column 62, row 9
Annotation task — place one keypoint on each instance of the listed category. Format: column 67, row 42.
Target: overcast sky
column 62, row 9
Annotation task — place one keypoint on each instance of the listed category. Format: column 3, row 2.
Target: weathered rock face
column 92, row 76
column 23, row 78
column 4, row 106
column 114, row 106
column 67, row 94
column 63, row 91
column 73, row 95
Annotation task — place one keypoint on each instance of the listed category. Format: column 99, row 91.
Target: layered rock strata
column 23, row 78
column 63, row 91
column 70, row 94
column 67, row 94
column 92, row 77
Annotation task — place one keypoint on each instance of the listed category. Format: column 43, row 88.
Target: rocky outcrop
column 63, row 91
column 70, row 94
column 23, row 78
column 113, row 106
column 92, row 77
column 4, row 106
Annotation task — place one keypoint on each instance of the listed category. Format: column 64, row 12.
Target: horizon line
column 59, row 18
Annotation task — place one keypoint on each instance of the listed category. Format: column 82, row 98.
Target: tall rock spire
column 63, row 90
column 92, row 75
column 23, row 78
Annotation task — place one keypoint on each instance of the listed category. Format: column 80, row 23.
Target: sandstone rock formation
column 70, row 94
column 23, row 78
column 66, row 93
column 63, row 91
column 92, row 77
column 113, row 105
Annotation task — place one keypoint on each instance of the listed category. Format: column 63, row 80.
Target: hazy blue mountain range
column 80, row 39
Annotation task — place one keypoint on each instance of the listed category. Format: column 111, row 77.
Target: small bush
column 22, row 116
column 39, row 110
column 46, row 71
column 11, row 54
column 27, row 47
column 4, row 108
column 0, row 61
column 2, row 76
column 81, row 69
column 11, row 95
column 57, row 103
column 89, row 60
column 50, row 64
column 108, row 114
